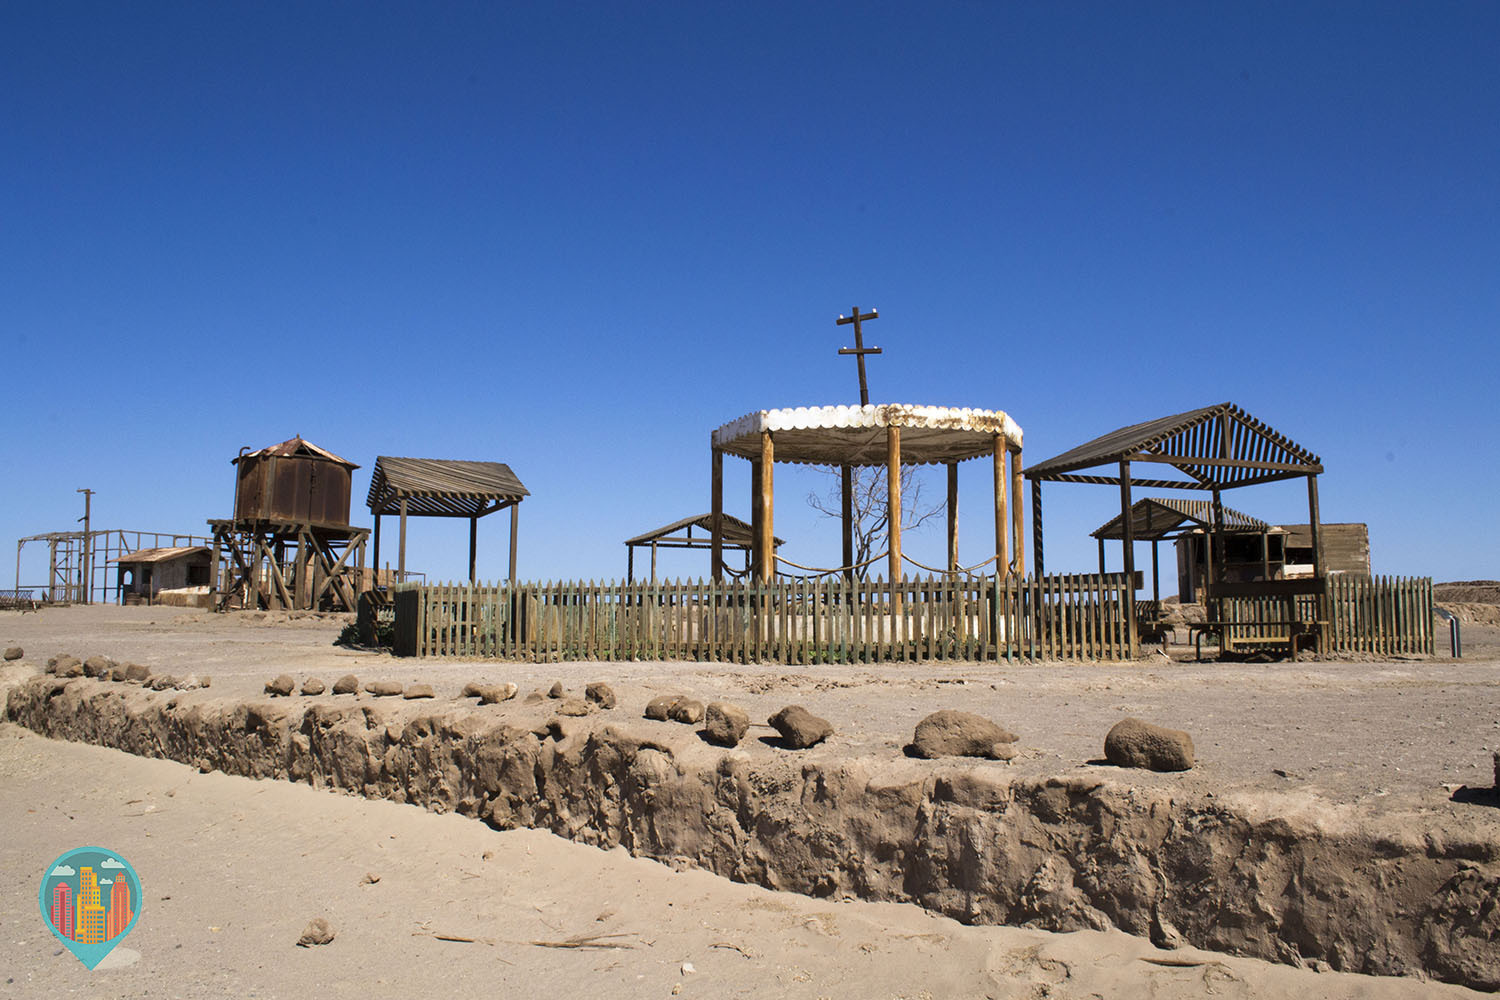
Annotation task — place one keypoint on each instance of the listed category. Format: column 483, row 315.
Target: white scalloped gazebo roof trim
column 831, row 435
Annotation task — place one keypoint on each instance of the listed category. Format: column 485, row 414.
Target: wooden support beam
column 515, row 530
column 716, row 517
column 1002, row 515
column 1018, row 516
column 401, row 555
column 473, row 549
column 1036, row 529
column 846, row 516
column 376, row 584
column 953, row 517
column 766, row 542
column 1128, row 530
column 893, row 502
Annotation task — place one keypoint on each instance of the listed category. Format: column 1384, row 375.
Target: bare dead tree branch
column 871, row 521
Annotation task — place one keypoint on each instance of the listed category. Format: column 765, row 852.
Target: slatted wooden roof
column 736, row 533
column 440, row 487
column 1155, row 518
column 1215, row 447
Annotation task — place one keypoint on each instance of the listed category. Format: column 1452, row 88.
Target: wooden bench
column 1284, row 593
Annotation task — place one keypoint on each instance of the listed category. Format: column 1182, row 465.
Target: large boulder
column 280, row 686
column 660, row 707
column 725, row 724
column 14, row 652
column 98, row 666
column 138, row 672
column 950, row 733
column 314, row 685
column 600, row 694
column 1133, row 743
column 490, row 694
column 418, row 691
column 383, row 689
column 347, row 684
column 799, row 728
column 688, row 711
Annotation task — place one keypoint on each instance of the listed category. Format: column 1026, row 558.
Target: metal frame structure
column 78, row 561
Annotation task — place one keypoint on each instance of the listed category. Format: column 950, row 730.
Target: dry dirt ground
column 243, row 865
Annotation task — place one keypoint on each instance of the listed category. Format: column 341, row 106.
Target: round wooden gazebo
column 891, row 435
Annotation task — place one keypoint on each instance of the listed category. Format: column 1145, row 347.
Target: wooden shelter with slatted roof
column 1211, row 449
column 737, row 536
column 1155, row 519
column 434, row 487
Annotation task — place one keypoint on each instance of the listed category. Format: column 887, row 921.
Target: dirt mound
column 1069, row 852
column 1467, row 592
column 1472, row 614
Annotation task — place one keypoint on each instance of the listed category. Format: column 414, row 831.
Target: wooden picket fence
column 1382, row 615
column 1077, row 617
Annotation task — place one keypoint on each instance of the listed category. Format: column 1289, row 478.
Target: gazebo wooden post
column 473, row 548
column 1002, row 518
column 515, row 524
column 629, row 563
column 716, row 522
column 653, row 562
column 756, row 511
column 893, row 503
column 1018, row 515
column 953, row 517
column 765, row 535
column 1129, row 533
column 1101, row 557
column 401, row 554
column 846, row 513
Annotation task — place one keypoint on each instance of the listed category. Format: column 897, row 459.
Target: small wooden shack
column 147, row 572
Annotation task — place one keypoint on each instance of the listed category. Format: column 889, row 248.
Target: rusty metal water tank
column 292, row 481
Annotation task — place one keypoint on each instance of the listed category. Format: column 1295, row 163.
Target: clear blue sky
column 576, row 237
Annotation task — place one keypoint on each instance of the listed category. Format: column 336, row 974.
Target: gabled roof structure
column 1155, row 518
column 435, row 487
column 159, row 555
column 737, row 533
column 294, row 446
column 1215, row 447
column 1212, row 448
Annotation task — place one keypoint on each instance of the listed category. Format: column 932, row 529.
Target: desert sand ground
column 233, row 869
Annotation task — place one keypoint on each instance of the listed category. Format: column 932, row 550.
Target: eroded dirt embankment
column 963, row 839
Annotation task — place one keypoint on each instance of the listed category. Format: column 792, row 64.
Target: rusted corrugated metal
column 293, row 481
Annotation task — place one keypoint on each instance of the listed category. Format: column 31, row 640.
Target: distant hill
column 1468, row 592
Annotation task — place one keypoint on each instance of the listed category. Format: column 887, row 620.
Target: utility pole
column 85, row 567
column 859, row 350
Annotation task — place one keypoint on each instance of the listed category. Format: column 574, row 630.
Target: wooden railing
column 795, row 622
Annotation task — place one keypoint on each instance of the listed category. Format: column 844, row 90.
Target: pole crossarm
column 859, row 350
